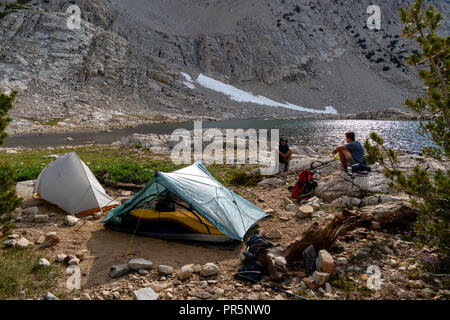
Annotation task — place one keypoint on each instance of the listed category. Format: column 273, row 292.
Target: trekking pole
column 273, row 287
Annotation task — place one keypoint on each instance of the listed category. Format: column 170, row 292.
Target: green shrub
column 8, row 198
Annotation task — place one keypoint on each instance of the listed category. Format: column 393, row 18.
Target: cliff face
column 123, row 66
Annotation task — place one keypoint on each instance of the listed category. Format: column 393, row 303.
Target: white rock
column 280, row 261
column 70, row 220
column 43, row 263
column 22, row 243
column 145, row 294
column 50, row 296
column 61, row 257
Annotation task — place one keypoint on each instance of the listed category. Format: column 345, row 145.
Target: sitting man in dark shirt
column 285, row 153
column 350, row 153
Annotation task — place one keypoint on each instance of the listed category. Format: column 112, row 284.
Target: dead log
column 324, row 237
column 128, row 186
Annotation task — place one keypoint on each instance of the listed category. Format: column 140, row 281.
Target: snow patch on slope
column 243, row 96
column 188, row 83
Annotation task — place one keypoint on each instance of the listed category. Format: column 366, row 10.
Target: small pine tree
column 422, row 26
column 6, row 103
column 429, row 193
column 8, row 197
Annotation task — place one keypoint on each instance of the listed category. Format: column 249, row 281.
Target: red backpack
column 304, row 186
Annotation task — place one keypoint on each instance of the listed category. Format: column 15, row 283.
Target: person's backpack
column 361, row 168
column 252, row 269
column 304, row 186
column 256, row 246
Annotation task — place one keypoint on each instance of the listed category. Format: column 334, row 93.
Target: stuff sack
column 304, row 186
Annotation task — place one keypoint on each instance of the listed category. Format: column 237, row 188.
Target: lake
column 397, row 134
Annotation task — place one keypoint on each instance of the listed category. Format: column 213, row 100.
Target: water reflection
column 329, row 133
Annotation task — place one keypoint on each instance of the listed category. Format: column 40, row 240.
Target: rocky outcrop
column 340, row 184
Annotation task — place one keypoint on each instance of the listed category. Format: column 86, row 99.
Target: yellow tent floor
column 191, row 221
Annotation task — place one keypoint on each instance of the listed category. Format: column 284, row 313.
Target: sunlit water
column 325, row 133
column 329, row 133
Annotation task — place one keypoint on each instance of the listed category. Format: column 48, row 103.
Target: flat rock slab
column 137, row 264
column 145, row 294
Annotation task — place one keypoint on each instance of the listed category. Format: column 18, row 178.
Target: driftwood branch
column 324, row 236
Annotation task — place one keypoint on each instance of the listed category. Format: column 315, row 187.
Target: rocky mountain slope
column 123, row 67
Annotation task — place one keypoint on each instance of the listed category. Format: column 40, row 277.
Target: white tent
column 69, row 184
